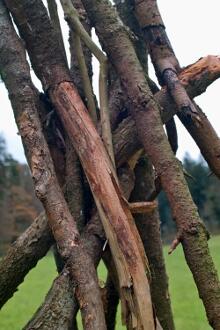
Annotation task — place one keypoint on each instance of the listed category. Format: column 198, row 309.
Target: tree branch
column 123, row 237
column 93, row 238
column 26, row 107
column 52, row 7
column 146, row 113
column 149, row 229
column 23, row 255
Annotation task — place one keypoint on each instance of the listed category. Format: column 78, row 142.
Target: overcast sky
column 193, row 28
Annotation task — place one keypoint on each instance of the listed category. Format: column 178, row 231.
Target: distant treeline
column 205, row 190
column 18, row 204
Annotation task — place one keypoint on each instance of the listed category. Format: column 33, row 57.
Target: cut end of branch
column 143, row 207
column 174, row 244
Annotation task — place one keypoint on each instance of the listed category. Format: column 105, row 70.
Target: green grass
column 188, row 310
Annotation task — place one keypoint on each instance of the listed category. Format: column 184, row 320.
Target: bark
column 146, row 113
column 166, row 66
column 162, row 55
column 25, row 103
column 93, row 237
column 23, row 255
column 57, row 311
column 52, row 7
column 122, row 235
column 125, row 10
column 110, row 301
column 149, row 229
column 117, row 106
column 126, row 144
column 74, row 190
column 196, row 78
column 74, row 65
column 172, row 135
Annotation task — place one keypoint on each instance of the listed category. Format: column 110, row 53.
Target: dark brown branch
column 52, row 7
column 196, row 79
column 58, row 310
column 167, row 68
column 146, row 113
column 93, row 237
column 110, row 301
column 172, row 135
column 149, row 229
column 23, row 255
column 162, row 55
column 26, row 107
column 126, row 249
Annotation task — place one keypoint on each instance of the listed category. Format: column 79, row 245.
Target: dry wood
column 142, row 207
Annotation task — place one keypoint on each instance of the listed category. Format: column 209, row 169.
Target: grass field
column 188, row 310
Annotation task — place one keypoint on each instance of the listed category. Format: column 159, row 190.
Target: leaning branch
column 93, row 238
column 122, row 235
column 23, row 255
column 126, row 143
column 167, row 68
column 149, row 228
column 146, row 113
column 201, row 74
column 26, row 106
column 72, row 17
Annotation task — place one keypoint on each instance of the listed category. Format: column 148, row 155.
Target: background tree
column 18, row 204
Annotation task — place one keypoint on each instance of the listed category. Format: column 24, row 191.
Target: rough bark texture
column 74, row 65
column 55, row 77
column 123, row 237
column 126, row 143
column 26, row 106
column 149, row 229
column 172, row 134
column 23, row 255
column 52, row 7
column 146, row 113
column 196, row 79
column 74, row 190
column 126, row 12
column 93, row 237
column 57, row 311
column 167, row 67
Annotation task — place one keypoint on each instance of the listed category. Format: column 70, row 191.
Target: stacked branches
column 78, row 223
